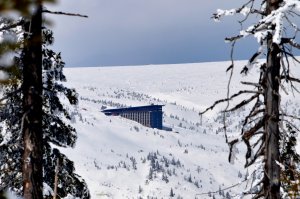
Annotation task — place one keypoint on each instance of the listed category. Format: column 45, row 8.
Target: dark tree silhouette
column 31, row 116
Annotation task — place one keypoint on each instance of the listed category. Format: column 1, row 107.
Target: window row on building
column 150, row 116
column 140, row 117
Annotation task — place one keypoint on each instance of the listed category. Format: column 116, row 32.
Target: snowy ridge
column 120, row 158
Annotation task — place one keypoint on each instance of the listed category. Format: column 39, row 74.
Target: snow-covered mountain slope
column 120, row 158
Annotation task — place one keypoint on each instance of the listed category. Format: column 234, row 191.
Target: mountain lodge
column 149, row 116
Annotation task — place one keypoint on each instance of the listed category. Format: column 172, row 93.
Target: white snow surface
column 107, row 146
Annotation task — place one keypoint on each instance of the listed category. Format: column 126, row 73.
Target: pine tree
column 263, row 131
column 172, row 194
column 140, row 189
column 54, row 129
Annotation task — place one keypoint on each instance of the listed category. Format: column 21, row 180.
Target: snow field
column 115, row 155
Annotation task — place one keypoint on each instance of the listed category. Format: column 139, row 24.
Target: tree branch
column 251, row 84
column 231, row 144
column 249, row 133
column 259, row 153
column 234, row 38
column 64, row 13
column 290, row 78
column 14, row 25
column 290, row 41
column 243, row 103
column 254, row 111
column 228, row 99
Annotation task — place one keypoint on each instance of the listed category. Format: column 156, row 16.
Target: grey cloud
column 130, row 32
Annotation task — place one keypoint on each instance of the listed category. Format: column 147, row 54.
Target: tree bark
column 271, row 185
column 32, row 107
column 56, row 179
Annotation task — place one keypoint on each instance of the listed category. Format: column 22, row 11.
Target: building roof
column 136, row 108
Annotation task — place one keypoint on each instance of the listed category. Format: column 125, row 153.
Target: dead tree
column 271, row 183
column 261, row 131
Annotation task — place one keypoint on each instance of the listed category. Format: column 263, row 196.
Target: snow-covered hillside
column 120, row 158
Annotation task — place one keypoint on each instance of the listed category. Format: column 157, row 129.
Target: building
column 150, row 116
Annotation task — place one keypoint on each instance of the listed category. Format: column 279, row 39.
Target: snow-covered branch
column 290, row 41
column 272, row 23
column 244, row 10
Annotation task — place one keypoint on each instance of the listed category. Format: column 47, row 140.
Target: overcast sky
column 140, row 32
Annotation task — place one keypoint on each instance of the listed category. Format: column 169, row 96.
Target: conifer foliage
column 55, row 130
column 268, row 131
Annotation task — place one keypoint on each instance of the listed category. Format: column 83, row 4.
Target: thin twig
column 251, row 84
column 228, row 90
column 290, row 116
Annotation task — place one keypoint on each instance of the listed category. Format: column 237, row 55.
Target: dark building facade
column 150, row 116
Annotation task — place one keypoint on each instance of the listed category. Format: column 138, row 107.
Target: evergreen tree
column 54, row 129
column 263, row 131
column 172, row 194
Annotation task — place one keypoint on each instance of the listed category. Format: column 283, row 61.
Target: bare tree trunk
column 32, row 107
column 56, row 179
column 272, row 170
